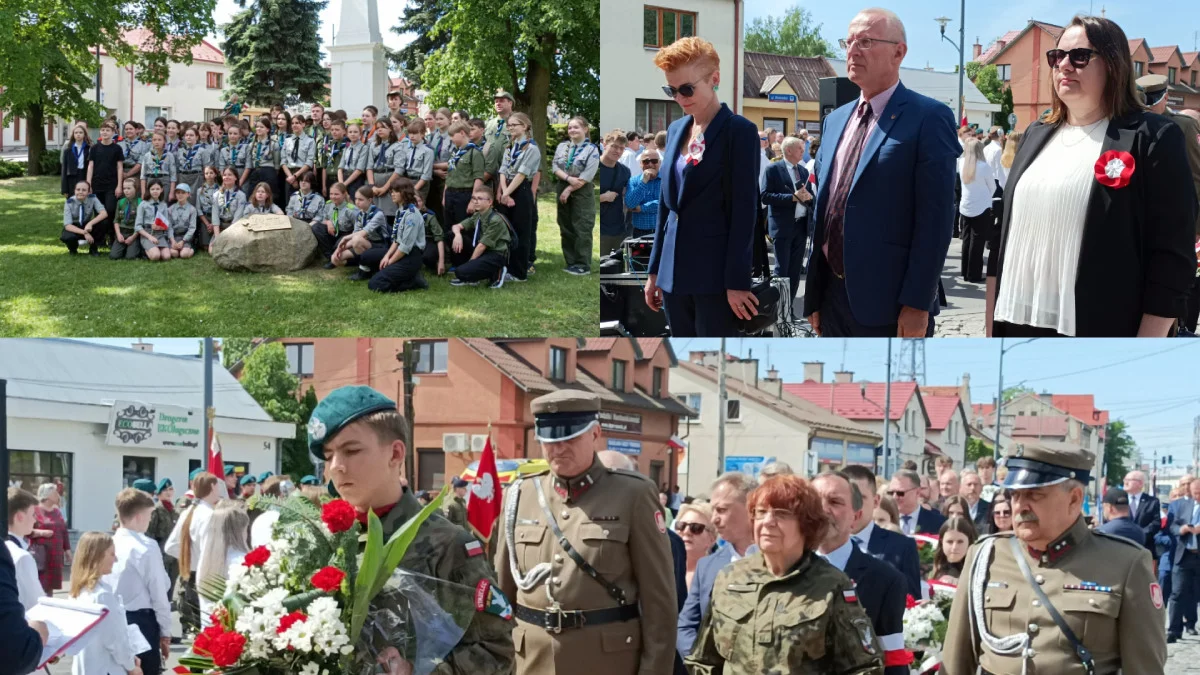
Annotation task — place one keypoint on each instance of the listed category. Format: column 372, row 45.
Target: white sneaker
column 499, row 283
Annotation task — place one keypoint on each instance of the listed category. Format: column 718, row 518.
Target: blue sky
column 1152, row 384
column 988, row 21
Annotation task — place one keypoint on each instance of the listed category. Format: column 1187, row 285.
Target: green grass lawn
column 46, row 292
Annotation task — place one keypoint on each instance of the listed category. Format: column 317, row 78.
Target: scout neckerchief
column 282, row 139
column 191, row 154
column 336, row 149
column 382, row 153
column 135, row 208
column 411, row 208
column 259, row 145
column 172, row 146
column 158, row 162
column 305, row 199
column 350, row 155
column 366, row 217
column 233, row 150
column 335, row 215
column 80, row 151
column 81, row 218
column 501, row 125
column 479, row 226
column 230, row 195
column 518, row 149
column 154, row 220
column 437, row 152
column 574, row 150
column 459, row 154
column 412, row 154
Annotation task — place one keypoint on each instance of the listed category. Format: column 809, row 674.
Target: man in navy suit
column 787, row 222
column 884, row 207
column 881, row 588
column 1183, row 521
column 896, row 549
column 914, row 518
column 971, row 489
column 22, row 640
column 732, row 522
column 1144, row 509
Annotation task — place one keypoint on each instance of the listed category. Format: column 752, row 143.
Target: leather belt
column 556, row 620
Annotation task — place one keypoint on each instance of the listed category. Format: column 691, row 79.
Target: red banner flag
column 216, row 466
column 483, row 508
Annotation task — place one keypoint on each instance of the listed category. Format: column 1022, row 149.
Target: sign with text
column 781, row 98
column 751, row 466
column 149, row 425
column 625, row 447
column 629, row 423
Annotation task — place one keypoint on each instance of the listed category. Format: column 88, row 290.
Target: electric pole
column 723, row 395
column 209, row 410
column 408, row 360
column 887, row 414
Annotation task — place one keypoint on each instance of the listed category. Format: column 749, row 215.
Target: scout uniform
column 248, row 479
column 380, row 164
column 524, row 158
column 374, row 224
column 439, row 549
column 298, row 152
column 466, row 167
column 1154, row 87
column 330, row 160
column 343, row 218
column 204, row 206
column 354, row 158
column 493, row 155
column 233, row 155
column 253, row 209
column 577, row 218
column 160, row 166
column 586, row 560
column 78, row 214
column 492, row 230
column 125, row 218
column 262, row 158
column 497, row 128
column 183, row 221
column 433, row 237
column 133, row 149
column 172, row 146
column 305, row 206
column 161, row 523
column 456, row 510
column 1099, row 586
column 440, row 143
column 416, row 163
column 227, row 207
column 151, row 215
column 408, row 234
column 190, row 163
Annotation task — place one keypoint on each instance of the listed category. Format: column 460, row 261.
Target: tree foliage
column 1010, row 393
column 268, row 379
column 793, row 34
column 1120, row 451
column 987, row 81
column 234, row 350
column 977, row 448
column 419, row 18
column 47, row 64
column 273, row 48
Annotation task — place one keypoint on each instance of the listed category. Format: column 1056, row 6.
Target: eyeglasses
column 1080, row 56
column 763, row 138
column 650, row 161
column 863, row 43
column 515, row 124
column 780, row 515
column 899, row 493
column 694, row 528
column 687, row 90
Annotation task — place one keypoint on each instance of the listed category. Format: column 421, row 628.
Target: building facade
column 783, row 92
column 942, row 86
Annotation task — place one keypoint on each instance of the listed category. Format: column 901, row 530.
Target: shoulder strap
column 613, row 590
column 1082, row 652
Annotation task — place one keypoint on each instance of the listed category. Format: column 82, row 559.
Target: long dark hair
column 1120, row 91
column 941, row 565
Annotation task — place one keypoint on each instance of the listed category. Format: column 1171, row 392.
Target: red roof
column 205, row 51
column 1189, row 59
column 1133, row 45
column 846, row 399
column 598, row 344
column 1162, row 54
column 996, row 46
column 1082, row 406
column 940, row 407
column 932, row 449
column 649, row 346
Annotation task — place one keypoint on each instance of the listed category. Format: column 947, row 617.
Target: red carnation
column 183, row 670
column 909, row 603
column 227, row 649
column 288, row 620
column 328, row 579
column 257, row 557
column 338, row 515
column 203, row 642
column 1114, row 168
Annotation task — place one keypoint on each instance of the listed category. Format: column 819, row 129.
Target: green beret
column 339, row 408
column 230, row 469
column 248, row 479
column 164, row 484
column 310, row 480
column 144, row 484
column 195, row 472
column 264, row 475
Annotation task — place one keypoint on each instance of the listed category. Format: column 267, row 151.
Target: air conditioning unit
column 454, row 442
column 477, row 442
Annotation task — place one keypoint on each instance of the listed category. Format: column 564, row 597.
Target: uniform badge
column 474, row 548
column 850, row 595
column 1156, row 595
column 866, row 636
column 490, row 599
column 316, row 429
column 660, row 521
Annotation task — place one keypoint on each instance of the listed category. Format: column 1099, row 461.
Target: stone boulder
column 265, row 243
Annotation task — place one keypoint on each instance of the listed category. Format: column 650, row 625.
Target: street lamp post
column 962, row 40
column 1000, row 394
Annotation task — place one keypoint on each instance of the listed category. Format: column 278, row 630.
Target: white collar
column 839, row 556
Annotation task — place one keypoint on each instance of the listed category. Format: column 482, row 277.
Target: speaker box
column 836, row 92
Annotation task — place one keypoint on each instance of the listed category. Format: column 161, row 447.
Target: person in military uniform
column 1053, row 596
column 188, row 497
column 456, row 510
column 358, row 434
column 164, row 502
column 784, row 609
column 497, row 127
column 585, row 556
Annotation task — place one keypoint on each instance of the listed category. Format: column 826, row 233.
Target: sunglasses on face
column 1003, row 514
column 694, row 528
column 649, row 161
column 900, row 493
column 762, row 138
column 1080, row 56
column 686, row 91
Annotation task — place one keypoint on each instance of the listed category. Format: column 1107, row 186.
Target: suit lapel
column 887, row 119
column 836, row 123
column 855, row 563
column 1119, row 136
column 698, row 175
column 667, row 167
column 1035, row 139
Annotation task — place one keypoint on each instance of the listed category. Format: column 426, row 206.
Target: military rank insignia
column 490, row 599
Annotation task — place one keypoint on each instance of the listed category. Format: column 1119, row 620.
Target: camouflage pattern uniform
column 806, row 622
column 456, row 512
column 162, row 522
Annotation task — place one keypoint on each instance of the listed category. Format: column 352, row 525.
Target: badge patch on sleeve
column 850, row 595
column 490, row 599
column 660, row 521
column 474, row 548
column 866, row 635
column 1156, row 595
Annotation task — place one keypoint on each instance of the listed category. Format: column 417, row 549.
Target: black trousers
column 1005, row 329
column 837, row 318
column 484, row 268
column 457, row 200
column 1193, row 306
column 789, row 257
column 430, row 255
column 104, row 235
column 145, row 620
column 72, row 240
column 433, row 202
column 402, row 275
column 263, row 174
column 976, row 231
column 703, row 315
column 326, row 243
column 371, row 257
column 1185, row 588
column 520, row 214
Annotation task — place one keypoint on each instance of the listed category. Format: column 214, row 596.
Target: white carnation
column 310, row 669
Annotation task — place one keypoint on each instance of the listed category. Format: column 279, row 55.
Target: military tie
column 835, row 225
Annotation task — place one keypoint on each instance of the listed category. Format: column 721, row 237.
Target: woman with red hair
column 784, row 608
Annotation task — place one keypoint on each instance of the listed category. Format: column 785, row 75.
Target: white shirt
column 911, row 526
column 974, row 508
column 976, row 195
column 991, row 154
column 1133, row 503
column 1049, row 209
column 839, row 556
column 232, row 557
column 29, row 588
column 791, row 172
column 763, row 163
column 198, row 532
column 864, row 536
column 109, row 652
column 139, row 578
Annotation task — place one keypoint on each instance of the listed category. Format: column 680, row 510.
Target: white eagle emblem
column 1114, row 168
column 484, row 488
column 316, row 429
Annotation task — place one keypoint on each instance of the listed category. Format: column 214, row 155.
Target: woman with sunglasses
column 1099, row 211
column 694, row 526
column 703, row 245
column 1002, row 513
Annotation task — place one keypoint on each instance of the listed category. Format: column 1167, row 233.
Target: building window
column 31, row 468
column 1171, row 75
column 1137, row 68
column 656, row 383
column 214, row 80
column 432, row 356
column 1193, row 78
column 618, row 375
column 135, row 468
column 558, row 364
column 690, row 400
column 775, row 123
column 661, row 26
column 50, row 129
column 431, row 468
column 300, row 359
column 211, row 114
column 733, row 410
column 1005, row 72
column 655, row 116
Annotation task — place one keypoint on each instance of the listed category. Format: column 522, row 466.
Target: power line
column 1186, row 343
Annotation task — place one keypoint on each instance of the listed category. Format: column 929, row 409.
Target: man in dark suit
column 914, row 519
column 1184, row 525
column 881, row 588
column 898, row 550
column 1144, row 508
column 787, row 221
column 1116, row 517
column 885, row 192
column 22, row 640
column 971, row 489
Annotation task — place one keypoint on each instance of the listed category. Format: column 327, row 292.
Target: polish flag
column 483, row 508
column 160, row 223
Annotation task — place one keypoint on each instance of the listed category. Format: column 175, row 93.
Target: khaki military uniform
column 1102, row 585
column 806, row 622
column 612, row 519
column 456, row 512
column 162, row 522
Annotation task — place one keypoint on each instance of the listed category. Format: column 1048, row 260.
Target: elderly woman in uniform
column 785, row 609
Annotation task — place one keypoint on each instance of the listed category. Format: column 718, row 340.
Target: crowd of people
column 384, row 194
column 866, row 211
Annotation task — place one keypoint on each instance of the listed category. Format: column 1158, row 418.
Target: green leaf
column 212, row 587
column 196, row 661
column 367, row 571
column 295, row 602
column 398, row 545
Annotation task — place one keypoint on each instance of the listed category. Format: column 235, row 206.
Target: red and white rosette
column 695, row 150
column 1114, row 168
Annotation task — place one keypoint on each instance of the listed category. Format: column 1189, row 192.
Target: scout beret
column 1037, row 464
column 500, row 93
column 264, row 475
column 339, row 408
column 564, row 414
column 144, row 484
column 248, row 479
column 309, row 480
column 458, row 482
column 1116, row 496
column 230, row 469
column 164, row 484
column 195, row 472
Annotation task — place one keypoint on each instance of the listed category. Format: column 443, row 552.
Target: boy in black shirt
column 104, row 171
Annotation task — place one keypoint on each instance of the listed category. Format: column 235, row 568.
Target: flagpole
column 209, row 413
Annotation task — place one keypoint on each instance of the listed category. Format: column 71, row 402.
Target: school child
column 190, row 159
column 465, row 173
column 261, row 201
column 82, row 215
column 233, row 155
column 400, row 269
column 352, row 172
column 316, row 120
column 516, row 199
column 399, row 124
column 299, row 154
column 305, row 204
column 204, row 134
column 370, row 233
column 75, row 159
column 153, row 223
column 205, row 200
column 395, row 100
column 437, row 123
column 416, row 162
column 227, row 204
column 105, row 176
column 491, row 238
column 173, row 139
column 126, row 242
column 435, row 245
column 334, row 145
column 369, row 115
column 158, row 164
column 337, row 219
column 262, row 158
column 131, row 146
column 139, row 577
column 575, row 164
column 493, row 153
column 183, row 223
column 380, row 170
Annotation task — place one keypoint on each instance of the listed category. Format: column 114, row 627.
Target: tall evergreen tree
column 273, row 48
column 420, row 17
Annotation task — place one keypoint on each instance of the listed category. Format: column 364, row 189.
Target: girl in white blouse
column 109, row 652
column 978, row 185
column 227, row 545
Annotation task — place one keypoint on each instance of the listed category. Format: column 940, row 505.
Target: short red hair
column 686, row 51
column 797, row 495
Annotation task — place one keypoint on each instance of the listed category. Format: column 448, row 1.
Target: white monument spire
column 358, row 74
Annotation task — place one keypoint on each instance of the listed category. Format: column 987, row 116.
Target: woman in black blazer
column 1097, row 236
column 75, row 159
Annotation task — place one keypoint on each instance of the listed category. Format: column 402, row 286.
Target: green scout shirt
column 126, row 215
column 490, row 229
column 433, row 229
column 468, row 168
column 496, row 131
column 493, row 154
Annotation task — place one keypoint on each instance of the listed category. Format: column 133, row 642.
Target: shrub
column 51, row 162
column 11, row 169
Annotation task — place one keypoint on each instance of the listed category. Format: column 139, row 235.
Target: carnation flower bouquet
column 925, row 624
column 308, row 603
